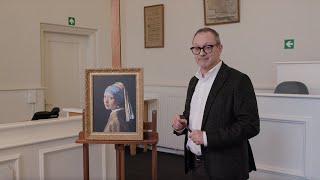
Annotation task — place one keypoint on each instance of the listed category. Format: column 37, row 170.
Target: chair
column 54, row 113
column 291, row 87
column 147, row 127
column 151, row 126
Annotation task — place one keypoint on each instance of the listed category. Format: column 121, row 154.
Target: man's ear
column 220, row 47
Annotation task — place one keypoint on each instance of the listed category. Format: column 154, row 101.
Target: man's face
column 207, row 61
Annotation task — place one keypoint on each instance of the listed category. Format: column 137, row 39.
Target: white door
column 64, row 59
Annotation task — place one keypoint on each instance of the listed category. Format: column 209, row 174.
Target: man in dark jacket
column 220, row 115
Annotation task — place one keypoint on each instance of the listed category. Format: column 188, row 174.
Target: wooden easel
column 148, row 137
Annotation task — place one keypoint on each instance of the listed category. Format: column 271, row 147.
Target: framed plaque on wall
column 154, row 26
column 221, row 12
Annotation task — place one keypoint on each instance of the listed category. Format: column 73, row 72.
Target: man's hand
column 179, row 124
column 196, row 136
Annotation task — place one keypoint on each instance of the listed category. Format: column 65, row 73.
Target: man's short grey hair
column 207, row 29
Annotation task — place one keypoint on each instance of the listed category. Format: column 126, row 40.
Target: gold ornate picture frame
column 221, row 12
column 114, row 104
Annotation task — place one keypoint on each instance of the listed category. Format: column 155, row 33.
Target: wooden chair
column 147, row 127
column 151, row 126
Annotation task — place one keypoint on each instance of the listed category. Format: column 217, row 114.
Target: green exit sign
column 289, row 44
column 71, row 21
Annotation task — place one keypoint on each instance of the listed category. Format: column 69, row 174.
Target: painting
column 114, row 104
column 221, row 12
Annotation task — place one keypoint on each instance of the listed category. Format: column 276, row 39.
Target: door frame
column 90, row 59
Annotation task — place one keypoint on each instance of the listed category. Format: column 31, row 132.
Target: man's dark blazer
column 230, row 118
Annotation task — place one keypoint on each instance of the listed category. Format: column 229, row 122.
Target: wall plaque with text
column 153, row 26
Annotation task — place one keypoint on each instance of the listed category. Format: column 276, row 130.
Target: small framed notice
column 153, row 26
column 221, row 12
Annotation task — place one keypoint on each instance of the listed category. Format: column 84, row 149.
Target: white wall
column 252, row 46
column 20, row 35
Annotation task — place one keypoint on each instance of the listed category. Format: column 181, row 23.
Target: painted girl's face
column 110, row 102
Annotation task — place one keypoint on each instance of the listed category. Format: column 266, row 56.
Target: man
column 220, row 115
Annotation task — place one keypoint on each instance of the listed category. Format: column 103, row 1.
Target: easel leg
column 120, row 161
column 85, row 161
column 145, row 148
column 133, row 148
column 154, row 161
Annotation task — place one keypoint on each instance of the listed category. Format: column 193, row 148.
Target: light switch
column 31, row 96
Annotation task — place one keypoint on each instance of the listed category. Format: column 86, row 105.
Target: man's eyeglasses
column 206, row 49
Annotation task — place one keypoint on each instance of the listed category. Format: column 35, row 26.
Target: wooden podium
column 148, row 138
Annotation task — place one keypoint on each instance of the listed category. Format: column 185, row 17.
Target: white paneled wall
column 69, row 154
column 175, row 105
column 46, row 150
column 170, row 101
column 9, row 167
column 281, row 145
